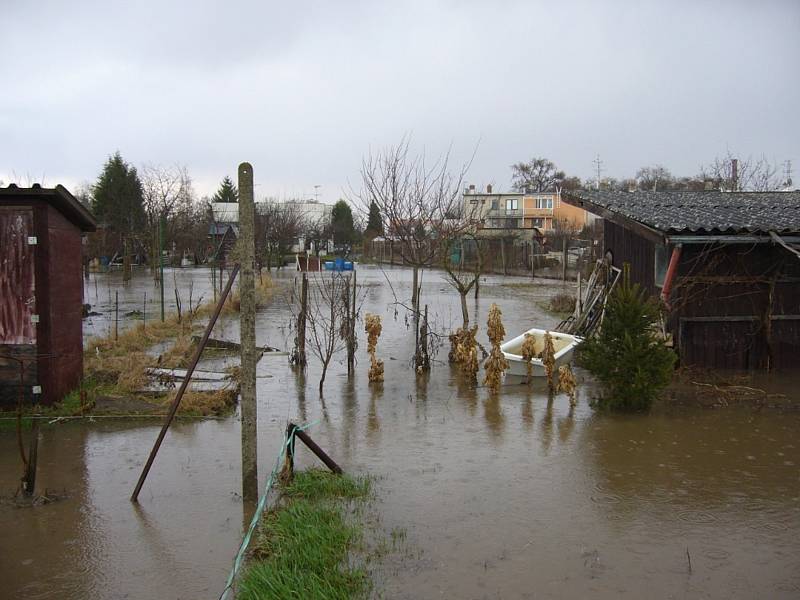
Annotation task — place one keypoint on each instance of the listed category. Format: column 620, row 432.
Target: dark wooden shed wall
column 733, row 306
column 61, row 308
column 737, row 306
column 628, row 247
column 59, row 299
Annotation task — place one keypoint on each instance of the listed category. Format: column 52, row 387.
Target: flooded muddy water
column 500, row 497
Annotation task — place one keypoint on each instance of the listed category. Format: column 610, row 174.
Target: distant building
column 316, row 215
column 223, row 231
column 544, row 211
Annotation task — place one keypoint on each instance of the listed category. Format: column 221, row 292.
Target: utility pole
column 247, row 330
column 599, row 167
column 316, row 192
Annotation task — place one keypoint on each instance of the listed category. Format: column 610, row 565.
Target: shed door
column 17, row 283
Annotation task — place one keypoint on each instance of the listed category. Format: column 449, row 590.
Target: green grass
column 301, row 549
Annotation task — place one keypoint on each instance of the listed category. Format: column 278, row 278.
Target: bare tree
column 464, row 275
column 166, row 192
column 317, row 232
column 654, row 178
column 731, row 174
column 537, row 175
column 325, row 315
column 277, row 226
column 422, row 211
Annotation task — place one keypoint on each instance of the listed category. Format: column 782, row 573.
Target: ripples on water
column 510, row 496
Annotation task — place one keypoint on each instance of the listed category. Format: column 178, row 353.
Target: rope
column 262, row 503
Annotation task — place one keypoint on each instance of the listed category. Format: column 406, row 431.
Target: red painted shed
column 41, row 293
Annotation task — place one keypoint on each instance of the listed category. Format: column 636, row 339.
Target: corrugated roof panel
column 703, row 212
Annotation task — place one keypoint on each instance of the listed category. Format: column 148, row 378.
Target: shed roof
column 697, row 212
column 59, row 197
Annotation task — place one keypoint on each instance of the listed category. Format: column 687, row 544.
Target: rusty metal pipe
column 176, row 402
column 312, row 445
column 672, row 269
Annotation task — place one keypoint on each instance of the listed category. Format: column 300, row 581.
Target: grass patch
column 301, row 549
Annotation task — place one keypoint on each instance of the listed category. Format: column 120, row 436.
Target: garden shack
column 41, row 293
column 726, row 265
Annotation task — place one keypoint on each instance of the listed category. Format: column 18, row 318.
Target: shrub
column 562, row 303
column 626, row 355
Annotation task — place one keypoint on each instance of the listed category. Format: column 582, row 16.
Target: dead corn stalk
column 496, row 364
column 373, row 328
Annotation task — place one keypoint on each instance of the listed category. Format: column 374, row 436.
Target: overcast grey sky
column 304, row 89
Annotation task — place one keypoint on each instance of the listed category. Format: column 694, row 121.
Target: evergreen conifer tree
column 227, row 192
column 117, row 198
column 342, row 222
column 374, row 222
column 626, row 355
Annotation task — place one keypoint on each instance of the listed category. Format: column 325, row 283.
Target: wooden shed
column 726, row 265
column 41, row 293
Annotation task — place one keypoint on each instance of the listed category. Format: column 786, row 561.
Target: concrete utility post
column 247, row 325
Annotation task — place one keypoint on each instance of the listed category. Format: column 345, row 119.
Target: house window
column 538, row 222
column 494, row 203
column 543, row 202
column 512, row 204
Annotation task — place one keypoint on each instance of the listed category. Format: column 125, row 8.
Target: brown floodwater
column 498, row 497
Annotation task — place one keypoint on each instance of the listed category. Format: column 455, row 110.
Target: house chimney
column 489, row 188
column 471, row 188
column 735, row 174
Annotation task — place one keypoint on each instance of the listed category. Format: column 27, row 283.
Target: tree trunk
column 477, row 286
column 322, row 378
column 126, row 261
column 154, row 255
column 464, row 311
column 301, row 322
column 414, row 294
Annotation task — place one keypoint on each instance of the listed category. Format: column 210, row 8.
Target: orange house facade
column 516, row 210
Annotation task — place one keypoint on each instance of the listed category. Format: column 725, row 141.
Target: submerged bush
column 626, row 355
column 562, row 303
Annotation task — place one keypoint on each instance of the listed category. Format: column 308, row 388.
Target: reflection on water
column 507, row 496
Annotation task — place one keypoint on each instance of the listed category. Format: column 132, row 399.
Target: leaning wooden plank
column 157, row 388
column 181, row 374
column 226, row 345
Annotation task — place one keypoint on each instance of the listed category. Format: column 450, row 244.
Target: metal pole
column 247, row 332
column 174, row 407
column 329, row 462
column 161, row 261
column 116, row 316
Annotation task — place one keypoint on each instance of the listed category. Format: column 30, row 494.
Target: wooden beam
column 778, row 240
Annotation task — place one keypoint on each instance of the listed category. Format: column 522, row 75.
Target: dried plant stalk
column 549, row 360
column 567, row 383
column 529, row 353
column 464, row 351
column 373, row 327
column 496, row 364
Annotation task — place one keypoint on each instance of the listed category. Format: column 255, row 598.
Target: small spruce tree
column 626, row 355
